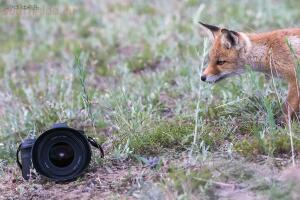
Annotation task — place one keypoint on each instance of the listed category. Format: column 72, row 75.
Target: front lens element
column 61, row 154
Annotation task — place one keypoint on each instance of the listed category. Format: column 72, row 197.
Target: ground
column 127, row 72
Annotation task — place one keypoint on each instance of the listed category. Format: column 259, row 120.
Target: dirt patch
column 234, row 178
column 114, row 180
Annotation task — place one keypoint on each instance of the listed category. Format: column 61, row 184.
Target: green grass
column 136, row 85
column 175, row 135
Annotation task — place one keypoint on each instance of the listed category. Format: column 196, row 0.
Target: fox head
column 225, row 56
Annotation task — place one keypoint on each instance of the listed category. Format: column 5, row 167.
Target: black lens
column 61, row 154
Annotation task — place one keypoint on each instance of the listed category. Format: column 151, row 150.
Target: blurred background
column 141, row 62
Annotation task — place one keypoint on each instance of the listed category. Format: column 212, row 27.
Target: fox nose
column 203, row 78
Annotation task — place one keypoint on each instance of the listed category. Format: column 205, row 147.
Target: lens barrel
column 61, row 153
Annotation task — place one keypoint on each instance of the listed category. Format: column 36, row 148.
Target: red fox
column 274, row 53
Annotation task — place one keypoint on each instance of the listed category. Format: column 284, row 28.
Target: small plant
column 123, row 152
column 152, row 162
column 79, row 63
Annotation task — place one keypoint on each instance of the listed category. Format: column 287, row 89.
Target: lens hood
column 61, row 153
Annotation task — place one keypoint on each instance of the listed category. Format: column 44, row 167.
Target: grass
column 175, row 135
column 136, row 88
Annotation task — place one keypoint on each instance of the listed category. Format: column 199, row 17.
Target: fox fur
column 274, row 53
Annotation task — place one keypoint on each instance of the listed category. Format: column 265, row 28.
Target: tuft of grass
column 279, row 192
column 176, row 135
column 165, row 135
column 273, row 145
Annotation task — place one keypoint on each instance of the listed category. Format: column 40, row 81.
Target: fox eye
column 220, row 62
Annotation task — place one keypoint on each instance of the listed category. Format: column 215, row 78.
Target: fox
column 273, row 53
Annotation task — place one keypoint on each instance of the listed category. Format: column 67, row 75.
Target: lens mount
column 61, row 153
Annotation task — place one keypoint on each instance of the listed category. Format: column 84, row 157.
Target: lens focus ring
column 61, row 154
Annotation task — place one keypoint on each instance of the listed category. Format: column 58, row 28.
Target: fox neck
column 254, row 54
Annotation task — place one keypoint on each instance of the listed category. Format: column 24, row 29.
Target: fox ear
column 212, row 28
column 230, row 39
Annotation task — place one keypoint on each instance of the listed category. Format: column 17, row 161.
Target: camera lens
column 61, row 154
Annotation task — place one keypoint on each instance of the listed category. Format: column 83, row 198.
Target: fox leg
column 291, row 106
